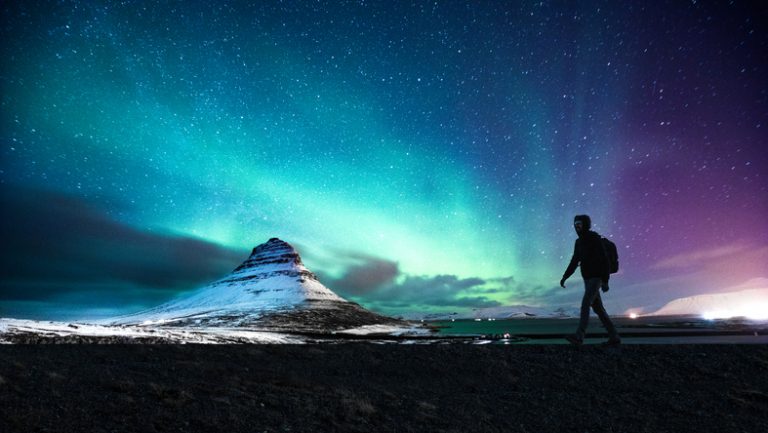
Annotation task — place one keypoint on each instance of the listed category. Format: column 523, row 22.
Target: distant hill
column 751, row 303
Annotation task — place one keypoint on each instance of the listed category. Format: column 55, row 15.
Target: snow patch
column 212, row 335
column 386, row 329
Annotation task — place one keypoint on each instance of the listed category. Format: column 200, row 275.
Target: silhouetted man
column 590, row 254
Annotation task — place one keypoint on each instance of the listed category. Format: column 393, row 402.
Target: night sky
column 421, row 156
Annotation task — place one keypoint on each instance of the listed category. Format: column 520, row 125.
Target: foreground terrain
column 382, row 388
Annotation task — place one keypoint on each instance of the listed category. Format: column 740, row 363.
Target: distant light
column 758, row 311
column 633, row 315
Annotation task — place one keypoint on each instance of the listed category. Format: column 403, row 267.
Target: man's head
column 582, row 223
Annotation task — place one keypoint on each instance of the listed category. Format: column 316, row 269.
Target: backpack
column 612, row 253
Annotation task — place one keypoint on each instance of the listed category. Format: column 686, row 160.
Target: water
column 645, row 330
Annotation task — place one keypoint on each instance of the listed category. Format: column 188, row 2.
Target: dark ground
column 363, row 387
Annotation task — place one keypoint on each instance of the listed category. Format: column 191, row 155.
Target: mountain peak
column 272, row 288
column 273, row 252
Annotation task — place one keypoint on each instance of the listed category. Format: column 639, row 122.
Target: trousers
column 592, row 299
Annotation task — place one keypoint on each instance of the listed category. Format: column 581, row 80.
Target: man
column 590, row 254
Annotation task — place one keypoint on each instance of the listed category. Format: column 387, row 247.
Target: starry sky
column 421, row 156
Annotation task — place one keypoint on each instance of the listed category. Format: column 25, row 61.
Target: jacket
column 589, row 254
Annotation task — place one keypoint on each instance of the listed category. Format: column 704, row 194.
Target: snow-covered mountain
column 271, row 289
column 751, row 303
column 522, row 312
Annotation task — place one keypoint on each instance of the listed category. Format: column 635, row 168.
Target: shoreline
column 628, row 338
column 667, row 330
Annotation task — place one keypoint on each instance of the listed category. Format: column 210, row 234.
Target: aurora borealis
column 421, row 156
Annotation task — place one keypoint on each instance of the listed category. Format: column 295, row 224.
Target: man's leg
column 591, row 289
column 597, row 306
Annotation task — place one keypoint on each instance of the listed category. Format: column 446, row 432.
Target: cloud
column 370, row 274
column 421, row 291
column 378, row 284
column 699, row 257
column 521, row 292
column 62, row 247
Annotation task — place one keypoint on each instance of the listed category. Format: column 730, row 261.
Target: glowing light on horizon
column 757, row 311
column 633, row 315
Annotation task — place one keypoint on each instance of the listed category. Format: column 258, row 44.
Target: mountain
column 752, row 303
column 271, row 290
column 521, row 312
column 498, row 313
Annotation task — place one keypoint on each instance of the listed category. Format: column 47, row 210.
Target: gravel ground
column 363, row 387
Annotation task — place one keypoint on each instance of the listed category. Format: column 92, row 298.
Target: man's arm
column 571, row 267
